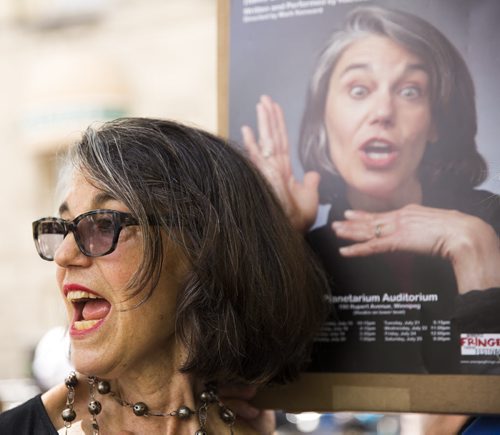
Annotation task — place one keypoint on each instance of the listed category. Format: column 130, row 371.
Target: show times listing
column 366, row 331
column 272, row 10
column 383, row 318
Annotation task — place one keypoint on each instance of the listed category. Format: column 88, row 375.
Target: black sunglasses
column 96, row 232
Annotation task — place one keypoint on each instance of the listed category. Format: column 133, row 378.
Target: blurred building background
column 65, row 64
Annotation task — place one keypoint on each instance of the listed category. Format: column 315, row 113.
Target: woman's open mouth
column 90, row 310
column 378, row 154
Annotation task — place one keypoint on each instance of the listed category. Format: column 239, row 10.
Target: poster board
column 271, row 47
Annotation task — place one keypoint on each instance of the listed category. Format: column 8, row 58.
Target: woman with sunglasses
column 179, row 273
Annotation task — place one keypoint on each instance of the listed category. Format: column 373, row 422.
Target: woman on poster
column 388, row 141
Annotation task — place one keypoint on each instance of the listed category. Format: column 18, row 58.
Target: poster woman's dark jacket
column 401, row 313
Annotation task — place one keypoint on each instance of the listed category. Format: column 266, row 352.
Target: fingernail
column 344, row 250
column 349, row 213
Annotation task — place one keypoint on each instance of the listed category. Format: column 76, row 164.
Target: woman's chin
column 87, row 364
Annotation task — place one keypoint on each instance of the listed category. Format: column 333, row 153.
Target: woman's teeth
column 81, row 325
column 378, row 155
column 378, row 150
column 76, row 295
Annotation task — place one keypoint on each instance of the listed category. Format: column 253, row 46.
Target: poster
column 387, row 121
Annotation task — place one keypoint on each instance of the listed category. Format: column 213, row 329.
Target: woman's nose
column 68, row 253
column 383, row 111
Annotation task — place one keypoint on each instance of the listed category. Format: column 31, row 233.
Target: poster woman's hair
column 453, row 160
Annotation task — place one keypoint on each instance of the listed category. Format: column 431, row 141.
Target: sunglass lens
column 50, row 236
column 96, row 233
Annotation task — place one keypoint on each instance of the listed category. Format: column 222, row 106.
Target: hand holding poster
column 373, row 149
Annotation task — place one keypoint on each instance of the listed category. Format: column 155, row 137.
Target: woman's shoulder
column 26, row 419
column 485, row 205
column 455, row 197
column 485, row 197
column 54, row 402
column 476, row 202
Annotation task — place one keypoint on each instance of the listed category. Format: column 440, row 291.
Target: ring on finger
column 378, row 231
column 267, row 152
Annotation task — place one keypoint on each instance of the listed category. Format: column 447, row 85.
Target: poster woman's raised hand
column 271, row 154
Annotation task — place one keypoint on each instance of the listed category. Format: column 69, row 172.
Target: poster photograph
column 376, row 121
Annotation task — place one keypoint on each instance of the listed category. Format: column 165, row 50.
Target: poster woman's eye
column 358, row 91
column 410, row 92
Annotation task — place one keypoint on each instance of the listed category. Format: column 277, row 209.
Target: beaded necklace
column 140, row 409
